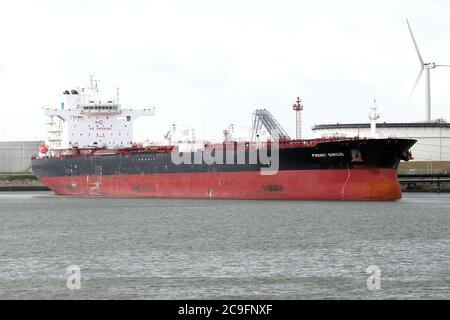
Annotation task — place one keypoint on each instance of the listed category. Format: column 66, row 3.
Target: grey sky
column 208, row 64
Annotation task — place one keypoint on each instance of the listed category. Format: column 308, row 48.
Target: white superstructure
column 87, row 120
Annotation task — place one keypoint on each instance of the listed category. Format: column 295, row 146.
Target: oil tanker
column 90, row 152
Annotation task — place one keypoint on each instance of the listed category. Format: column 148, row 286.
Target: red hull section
column 354, row 184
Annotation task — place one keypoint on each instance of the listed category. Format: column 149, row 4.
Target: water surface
column 208, row 249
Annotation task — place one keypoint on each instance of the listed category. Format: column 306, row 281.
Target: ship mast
column 298, row 107
column 373, row 116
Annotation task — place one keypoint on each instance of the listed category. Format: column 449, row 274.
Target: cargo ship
column 90, row 153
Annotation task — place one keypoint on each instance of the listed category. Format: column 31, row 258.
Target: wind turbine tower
column 427, row 66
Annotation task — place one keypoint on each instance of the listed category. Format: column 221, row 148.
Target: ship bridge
column 86, row 120
column 101, row 108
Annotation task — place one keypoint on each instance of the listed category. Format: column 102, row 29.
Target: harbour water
column 195, row 249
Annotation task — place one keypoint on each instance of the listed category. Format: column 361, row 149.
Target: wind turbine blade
column 443, row 65
column 415, row 84
column 415, row 43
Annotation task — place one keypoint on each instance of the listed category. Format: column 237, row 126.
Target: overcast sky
column 207, row 64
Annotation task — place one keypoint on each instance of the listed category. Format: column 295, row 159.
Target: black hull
column 334, row 155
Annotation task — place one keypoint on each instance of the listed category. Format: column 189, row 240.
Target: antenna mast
column 298, row 107
column 373, row 116
column 91, row 76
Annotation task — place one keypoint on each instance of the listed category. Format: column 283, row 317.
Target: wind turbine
column 427, row 66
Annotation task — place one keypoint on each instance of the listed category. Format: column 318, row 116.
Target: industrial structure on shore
column 15, row 156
